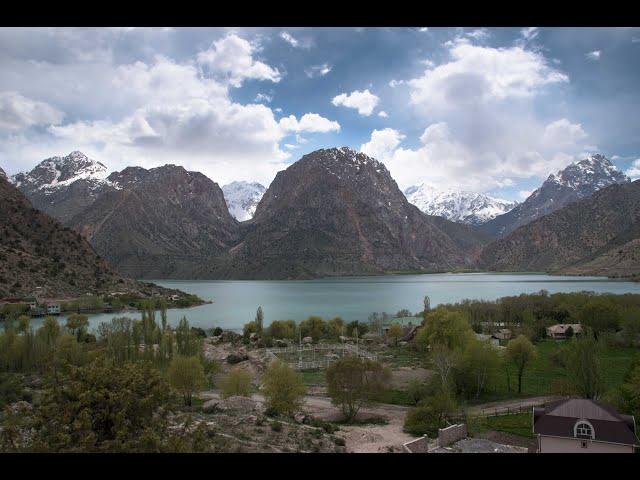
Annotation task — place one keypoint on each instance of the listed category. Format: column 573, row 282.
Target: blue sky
column 493, row 110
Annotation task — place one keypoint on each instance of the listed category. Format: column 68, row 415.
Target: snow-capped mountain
column 578, row 180
column 456, row 205
column 242, row 198
column 63, row 186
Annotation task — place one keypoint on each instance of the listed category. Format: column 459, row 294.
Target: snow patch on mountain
column 242, row 198
column 589, row 175
column 457, row 205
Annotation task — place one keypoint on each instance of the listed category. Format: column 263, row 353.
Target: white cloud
column 478, row 34
column 562, row 133
column 309, row 122
column 232, row 58
column 383, row 114
column 287, row 37
column 424, row 29
column 318, row 70
column 382, row 143
column 634, row 170
column 393, row 83
column 263, row 97
column 529, row 33
column 524, row 194
column 18, row 112
column 478, row 74
column 365, row 102
column 594, row 55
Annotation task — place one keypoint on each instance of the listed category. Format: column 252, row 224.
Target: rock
column 307, row 340
column 229, row 336
column 253, row 337
column 216, row 339
column 280, row 343
column 236, row 358
column 236, row 403
column 299, row 417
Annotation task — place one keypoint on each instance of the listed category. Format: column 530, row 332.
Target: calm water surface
column 354, row 298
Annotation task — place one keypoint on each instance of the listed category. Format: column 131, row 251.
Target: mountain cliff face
column 39, row 256
column 597, row 235
column 2, row 174
column 458, row 206
column 64, row 186
column 242, row 198
column 159, row 223
column 579, row 180
column 338, row 212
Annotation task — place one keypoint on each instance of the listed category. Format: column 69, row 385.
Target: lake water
column 354, row 298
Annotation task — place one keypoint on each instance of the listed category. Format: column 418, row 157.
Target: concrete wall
column 573, row 445
column 449, row 435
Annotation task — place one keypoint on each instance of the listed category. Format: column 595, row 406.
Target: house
column 487, row 338
column 559, row 331
column 405, row 322
column 580, row 425
column 53, row 308
column 503, row 334
column 31, row 301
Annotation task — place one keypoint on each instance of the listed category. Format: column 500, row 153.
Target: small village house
column 53, row 308
column 503, row 334
column 561, row 331
column 580, row 425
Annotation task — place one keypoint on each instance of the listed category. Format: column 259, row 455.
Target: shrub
column 283, row 388
column 237, row 382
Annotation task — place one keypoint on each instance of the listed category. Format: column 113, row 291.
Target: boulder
column 299, row 417
column 280, row 343
column 238, row 404
column 307, row 340
column 234, row 358
column 253, row 337
column 229, row 336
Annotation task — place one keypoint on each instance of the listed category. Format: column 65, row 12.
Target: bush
column 237, row 382
column 186, row 375
column 430, row 415
column 283, row 388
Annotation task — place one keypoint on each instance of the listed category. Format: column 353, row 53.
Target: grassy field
column 518, row 424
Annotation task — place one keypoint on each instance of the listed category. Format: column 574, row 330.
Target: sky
column 492, row 110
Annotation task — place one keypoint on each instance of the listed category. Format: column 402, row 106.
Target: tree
column 236, row 382
column 335, row 327
column 444, row 360
column 283, row 388
column 430, row 415
column 403, row 313
column 628, row 394
column 520, row 352
column 186, row 375
column 353, row 382
column 282, row 329
column 479, row 361
column 77, row 325
column 583, row 367
column 417, row 390
column 313, row 327
column 187, row 342
column 450, row 329
column 427, row 303
column 394, row 333
column 356, row 329
column 259, row 321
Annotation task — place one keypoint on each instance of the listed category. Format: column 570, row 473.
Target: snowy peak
column 457, row 206
column 588, row 175
column 242, row 198
column 57, row 172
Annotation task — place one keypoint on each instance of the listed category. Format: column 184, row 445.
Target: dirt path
column 358, row 438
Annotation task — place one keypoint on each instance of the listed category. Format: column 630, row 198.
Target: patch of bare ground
column 509, row 439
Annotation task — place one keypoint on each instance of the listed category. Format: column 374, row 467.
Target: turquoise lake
column 354, row 298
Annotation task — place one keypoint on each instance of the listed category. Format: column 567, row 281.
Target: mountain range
column 577, row 181
column 333, row 212
column 457, row 205
column 40, row 256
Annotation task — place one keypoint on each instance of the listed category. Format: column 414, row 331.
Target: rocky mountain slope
column 579, row 180
column 597, row 235
column 457, row 205
column 338, row 212
column 64, row 186
column 242, row 198
column 2, row 174
column 39, row 256
column 159, row 223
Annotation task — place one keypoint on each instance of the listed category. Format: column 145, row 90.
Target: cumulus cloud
column 263, row 97
column 563, row 133
column 18, row 112
column 478, row 74
column 383, row 143
column 383, row 114
column 478, row 34
column 634, row 170
column 318, row 70
column 529, row 33
column 363, row 101
column 309, row 122
column 231, row 58
column 393, row 83
column 594, row 55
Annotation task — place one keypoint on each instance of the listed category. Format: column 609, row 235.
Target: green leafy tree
column 335, row 327
column 627, row 395
column 314, row 327
column 283, row 388
column 583, row 366
column 394, row 333
column 188, row 344
column 236, row 382
column 442, row 327
column 77, row 325
column 520, row 352
column 430, row 414
column 259, row 321
column 186, row 375
column 282, row 329
column 480, row 360
column 353, row 382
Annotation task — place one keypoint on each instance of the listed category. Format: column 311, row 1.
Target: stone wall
column 449, row 435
